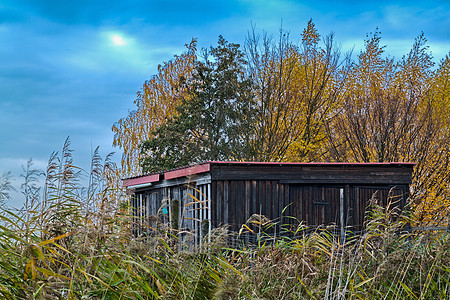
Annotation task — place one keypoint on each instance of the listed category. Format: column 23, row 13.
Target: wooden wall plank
column 247, row 199
column 220, row 204
column 348, row 211
column 237, row 190
column 287, row 191
column 213, row 203
column 254, row 205
column 226, row 196
column 281, row 202
column 268, row 198
column 210, row 203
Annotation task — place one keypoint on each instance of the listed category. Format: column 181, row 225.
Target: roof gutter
column 138, row 186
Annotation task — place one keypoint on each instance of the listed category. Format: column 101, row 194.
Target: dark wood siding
column 315, row 174
column 235, row 201
column 316, row 205
column 360, row 196
column 231, row 193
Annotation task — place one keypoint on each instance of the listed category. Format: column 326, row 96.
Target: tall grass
column 74, row 242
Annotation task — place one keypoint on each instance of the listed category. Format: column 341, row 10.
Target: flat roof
column 205, row 166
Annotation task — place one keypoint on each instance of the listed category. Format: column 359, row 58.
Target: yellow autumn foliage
column 155, row 104
column 316, row 104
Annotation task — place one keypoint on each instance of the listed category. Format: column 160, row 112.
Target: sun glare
column 118, row 40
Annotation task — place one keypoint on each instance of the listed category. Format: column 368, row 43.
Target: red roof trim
column 141, row 180
column 188, row 171
column 314, row 163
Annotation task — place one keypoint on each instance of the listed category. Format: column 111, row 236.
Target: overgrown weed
column 70, row 242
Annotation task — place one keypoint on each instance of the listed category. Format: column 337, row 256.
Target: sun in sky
column 118, row 40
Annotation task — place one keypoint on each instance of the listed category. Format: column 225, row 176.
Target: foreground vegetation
column 74, row 242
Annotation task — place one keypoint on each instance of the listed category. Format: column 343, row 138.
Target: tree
column 432, row 181
column 391, row 113
column 297, row 90
column 156, row 104
column 215, row 118
column 281, row 102
column 384, row 115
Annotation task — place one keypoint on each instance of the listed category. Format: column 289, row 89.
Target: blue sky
column 72, row 68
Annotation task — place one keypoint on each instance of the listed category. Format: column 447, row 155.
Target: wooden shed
column 196, row 198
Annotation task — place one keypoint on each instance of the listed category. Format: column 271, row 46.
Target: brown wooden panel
column 268, row 199
column 288, row 211
column 220, row 206
column 274, row 211
column 235, row 202
column 247, row 199
column 316, row 205
column 240, row 190
column 247, row 204
column 254, row 205
column 281, row 204
column 261, row 197
column 212, row 203
column 331, row 174
column 226, row 197
column 362, row 195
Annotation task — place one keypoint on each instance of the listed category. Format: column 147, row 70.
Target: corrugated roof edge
column 155, row 176
column 194, row 169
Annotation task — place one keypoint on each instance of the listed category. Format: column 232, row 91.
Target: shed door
column 316, row 205
column 361, row 195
